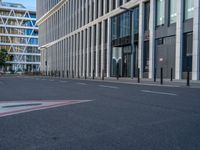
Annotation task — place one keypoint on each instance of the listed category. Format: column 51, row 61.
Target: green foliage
column 3, row 57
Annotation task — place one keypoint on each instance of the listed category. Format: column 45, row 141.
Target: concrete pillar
column 77, row 54
column 102, row 46
column 141, row 39
column 152, row 38
column 110, row 5
column 88, row 52
column 92, row 50
column 97, row 50
column 80, row 54
column 109, row 47
column 179, row 40
column 196, row 41
column 84, row 51
column 117, row 3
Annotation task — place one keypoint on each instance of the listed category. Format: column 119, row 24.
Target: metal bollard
column 93, row 74
column 138, row 75
column 103, row 74
column 188, row 78
column 85, row 75
column 161, row 76
column 155, row 74
column 171, row 74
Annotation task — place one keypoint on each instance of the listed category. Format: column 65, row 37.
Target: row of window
column 161, row 10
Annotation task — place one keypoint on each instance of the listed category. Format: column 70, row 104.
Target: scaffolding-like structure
column 19, row 36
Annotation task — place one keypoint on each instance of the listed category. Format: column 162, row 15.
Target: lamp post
column 46, row 62
column 132, row 42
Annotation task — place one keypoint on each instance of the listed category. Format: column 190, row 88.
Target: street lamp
column 45, row 48
column 132, row 42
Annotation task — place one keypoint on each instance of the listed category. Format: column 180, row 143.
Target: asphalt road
column 119, row 117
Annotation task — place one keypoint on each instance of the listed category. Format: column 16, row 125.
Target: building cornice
column 51, row 12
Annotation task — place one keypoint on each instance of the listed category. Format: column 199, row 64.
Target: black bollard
column 188, row 78
column 161, row 76
column 93, row 74
column 103, row 74
column 85, row 75
column 138, row 75
column 171, row 74
column 155, row 74
column 117, row 71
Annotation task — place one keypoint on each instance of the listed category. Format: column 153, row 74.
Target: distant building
column 19, row 35
column 124, row 37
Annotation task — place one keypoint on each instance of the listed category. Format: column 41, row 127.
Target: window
column 160, row 9
column 114, row 28
column 173, row 12
column 189, row 9
column 125, row 24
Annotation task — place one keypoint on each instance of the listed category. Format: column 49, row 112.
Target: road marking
column 80, row 83
column 63, row 81
column 43, row 79
column 51, row 80
column 111, row 87
column 156, row 92
column 8, row 108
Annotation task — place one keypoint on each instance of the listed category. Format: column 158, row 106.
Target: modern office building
column 19, row 36
column 120, row 36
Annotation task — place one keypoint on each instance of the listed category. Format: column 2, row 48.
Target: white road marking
column 82, row 83
column 63, row 81
column 8, row 108
column 111, row 87
column 161, row 93
column 51, row 80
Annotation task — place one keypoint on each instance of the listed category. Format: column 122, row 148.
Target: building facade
column 19, row 36
column 120, row 37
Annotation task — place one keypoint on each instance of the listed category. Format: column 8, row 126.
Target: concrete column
column 141, row 39
column 90, row 9
column 109, row 47
column 124, row 1
column 97, row 50
column 92, row 50
column 84, row 50
column 105, row 6
column 86, row 15
column 74, row 54
column 152, row 38
column 100, row 8
column 95, row 9
column 102, row 45
column 179, row 40
column 196, row 41
column 77, row 54
column 110, row 5
column 117, row 3
column 88, row 52
column 80, row 54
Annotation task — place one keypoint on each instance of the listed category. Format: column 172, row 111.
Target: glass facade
column 189, row 9
column 160, row 12
column 173, row 12
column 125, row 24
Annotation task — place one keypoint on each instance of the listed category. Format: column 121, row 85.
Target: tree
column 3, row 57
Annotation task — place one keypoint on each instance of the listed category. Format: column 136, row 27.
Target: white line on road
column 80, row 83
column 51, row 80
column 63, row 81
column 111, row 87
column 156, row 92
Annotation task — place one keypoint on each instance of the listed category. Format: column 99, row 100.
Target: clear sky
column 30, row 4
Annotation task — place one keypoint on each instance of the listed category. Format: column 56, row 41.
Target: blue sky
column 31, row 4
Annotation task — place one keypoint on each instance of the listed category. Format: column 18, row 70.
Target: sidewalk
column 148, row 82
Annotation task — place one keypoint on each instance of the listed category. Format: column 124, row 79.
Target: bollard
column 171, row 74
column 188, row 78
column 85, row 75
column 73, row 74
column 117, row 71
column 155, row 74
column 138, row 75
column 103, row 74
column 161, row 76
column 93, row 74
